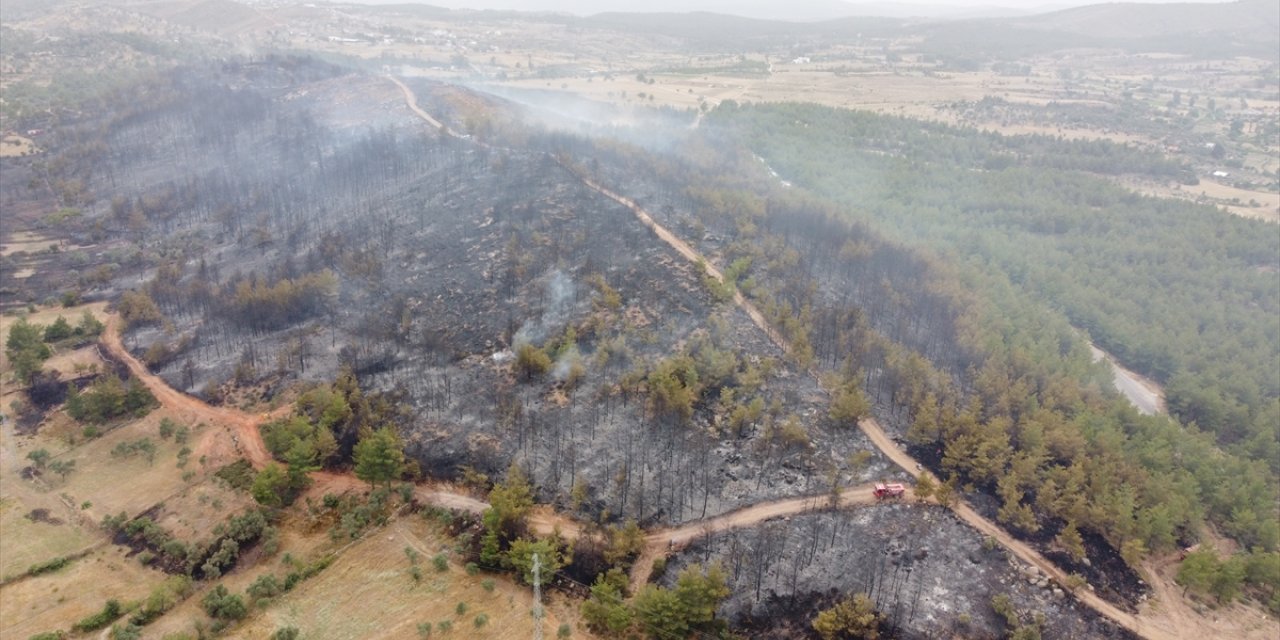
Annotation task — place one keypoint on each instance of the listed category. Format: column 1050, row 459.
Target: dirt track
column 244, row 427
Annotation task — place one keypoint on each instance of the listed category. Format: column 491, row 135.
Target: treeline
column 920, row 141
column 1174, row 290
column 257, row 303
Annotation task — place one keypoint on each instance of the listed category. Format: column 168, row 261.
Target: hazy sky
column 578, row 6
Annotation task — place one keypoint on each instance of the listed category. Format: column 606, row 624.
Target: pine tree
column 379, row 457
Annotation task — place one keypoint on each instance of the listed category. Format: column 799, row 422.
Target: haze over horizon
column 803, row 10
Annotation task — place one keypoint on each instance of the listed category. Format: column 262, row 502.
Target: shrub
column 163, row 597
column 461, row 609
column 265, row 587
column 221, row 604
column 564, row 631
column 126, row 631
column 110, row 612
column 481, row 620
column 238, row 474
column 440, row 562
column 49, row 566
column 59, row 330
column 659, row 568
column 286, row 633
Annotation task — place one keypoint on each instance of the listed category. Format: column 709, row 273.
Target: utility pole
column 537, row 597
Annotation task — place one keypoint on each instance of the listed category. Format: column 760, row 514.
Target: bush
column 221, row 604
column 59, row 330
column 445, row 626
column 481, row 620
column 238, row 474
column 659, row 568
column 264, row 588
column 49, row 566
column 126, row 631
column 49, row 635
column 440, row 562
column 286, row 633
column 164, row 597
column 531, row 361
column 461, row 609
column 107, row 398
column 564, row 631
column 110, row 612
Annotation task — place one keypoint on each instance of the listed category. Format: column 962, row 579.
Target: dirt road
column 412, row 101
column 245, row 434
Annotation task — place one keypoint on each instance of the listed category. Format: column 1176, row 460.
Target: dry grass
column 57, row 600
column 296, row 543
column 1219, row 194
column 27, row 541
column 15, row 146
column 376, row 571
column 132, row 484
column 26, row 241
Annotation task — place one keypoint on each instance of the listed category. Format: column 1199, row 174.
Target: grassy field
column 29, row 541
column 57, row 600
column 337, row 603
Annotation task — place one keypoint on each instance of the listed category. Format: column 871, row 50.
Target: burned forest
column 371, row 327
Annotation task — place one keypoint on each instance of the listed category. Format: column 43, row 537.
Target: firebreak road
column 250, row 444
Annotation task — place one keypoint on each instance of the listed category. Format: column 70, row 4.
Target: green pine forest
column 1176, row 291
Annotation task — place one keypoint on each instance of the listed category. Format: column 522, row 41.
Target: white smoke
column 556, row 311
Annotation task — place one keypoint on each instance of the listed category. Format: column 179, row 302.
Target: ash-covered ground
column 290, row 219
column 931, row 575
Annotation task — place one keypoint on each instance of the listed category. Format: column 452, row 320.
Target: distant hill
column 1253, row 19
column 735, row 31
column 223, row 17
column 784, row 10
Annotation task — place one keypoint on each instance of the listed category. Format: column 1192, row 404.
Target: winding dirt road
column 244, row 427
